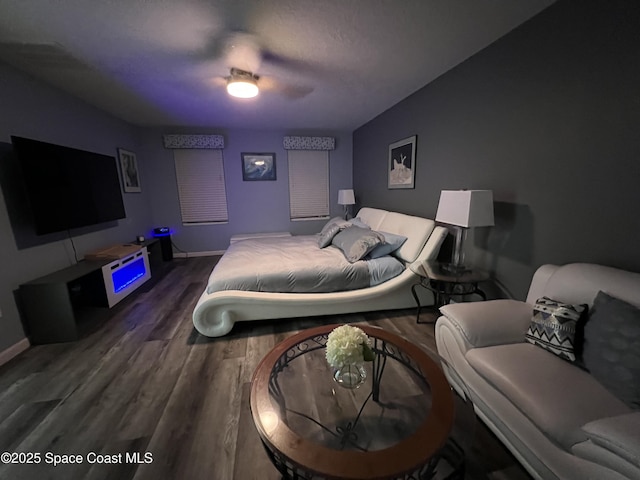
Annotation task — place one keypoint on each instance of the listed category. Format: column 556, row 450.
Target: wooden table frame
column 302, row 458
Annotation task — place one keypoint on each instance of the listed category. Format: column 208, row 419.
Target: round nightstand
column 445, row 283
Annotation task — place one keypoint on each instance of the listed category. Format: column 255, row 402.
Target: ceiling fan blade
column 292, row 91
column 232, row 50
column 242, row 50
column 290, row 64
column 218, row 81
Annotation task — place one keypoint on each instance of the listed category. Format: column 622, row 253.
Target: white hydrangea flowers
column 348, row 345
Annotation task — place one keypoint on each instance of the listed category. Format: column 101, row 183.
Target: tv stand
column 53, row 305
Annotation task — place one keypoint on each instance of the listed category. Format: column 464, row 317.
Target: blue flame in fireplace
column 128, row 275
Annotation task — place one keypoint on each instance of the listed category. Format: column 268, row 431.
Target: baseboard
column 14, row 350
column 210, row 253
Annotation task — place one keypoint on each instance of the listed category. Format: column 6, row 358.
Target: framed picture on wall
column 258, row 166
column 402, row 163
column 129, row 171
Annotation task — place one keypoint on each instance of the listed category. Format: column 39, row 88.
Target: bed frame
column 216, row 313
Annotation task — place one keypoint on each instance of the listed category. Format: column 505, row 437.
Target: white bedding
column 295, row 265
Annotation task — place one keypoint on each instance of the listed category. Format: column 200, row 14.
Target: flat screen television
column 66, row 187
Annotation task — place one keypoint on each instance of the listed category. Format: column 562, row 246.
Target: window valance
column 193, row 141
column 309, row 143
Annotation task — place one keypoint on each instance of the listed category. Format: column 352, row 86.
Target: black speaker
column 164, row 235
column 165, row 247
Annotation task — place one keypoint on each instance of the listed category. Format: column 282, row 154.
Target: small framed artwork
column 402, row 163
column 258, row 166
column 129, row 170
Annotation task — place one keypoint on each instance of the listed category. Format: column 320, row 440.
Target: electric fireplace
column 123, row 276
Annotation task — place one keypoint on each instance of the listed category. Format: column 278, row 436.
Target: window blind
column 308, row 183
column 201, row 189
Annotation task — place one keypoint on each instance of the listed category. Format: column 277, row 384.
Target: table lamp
column 346, row 198
column 464, row 209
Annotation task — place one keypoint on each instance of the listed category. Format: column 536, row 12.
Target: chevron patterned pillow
column 553, row 327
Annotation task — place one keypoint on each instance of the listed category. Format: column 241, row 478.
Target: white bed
column 217, row 310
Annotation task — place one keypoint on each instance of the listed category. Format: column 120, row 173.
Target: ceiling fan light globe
column 243, row 88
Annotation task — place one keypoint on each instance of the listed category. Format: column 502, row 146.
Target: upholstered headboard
column 416, row 229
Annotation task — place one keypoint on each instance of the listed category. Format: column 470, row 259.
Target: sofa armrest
column 494, row 322
column 539, row 282
column 620, row 435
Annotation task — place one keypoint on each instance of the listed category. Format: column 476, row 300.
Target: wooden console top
column 115, row 252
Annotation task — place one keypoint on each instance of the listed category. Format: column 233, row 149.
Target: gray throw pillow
column 325, row 237
column 384, row 268
column 392, row 242
column 330, row 230
column 341, row 222
column 553, row 327
column 356, row 242
column 611, row 351
column 357, row 222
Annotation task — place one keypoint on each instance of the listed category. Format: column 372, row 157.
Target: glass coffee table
column 398, row 424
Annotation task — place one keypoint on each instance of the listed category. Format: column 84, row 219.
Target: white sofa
column 555, row 417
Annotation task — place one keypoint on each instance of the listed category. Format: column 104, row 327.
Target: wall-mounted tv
column 66, row 187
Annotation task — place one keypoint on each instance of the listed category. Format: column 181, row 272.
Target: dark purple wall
column 548, row 117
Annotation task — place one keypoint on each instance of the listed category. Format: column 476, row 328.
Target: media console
column 51, row 305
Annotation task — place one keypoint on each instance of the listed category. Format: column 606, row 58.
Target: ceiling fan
column 244, row 56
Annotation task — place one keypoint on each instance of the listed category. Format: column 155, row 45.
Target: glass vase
column 350, row 376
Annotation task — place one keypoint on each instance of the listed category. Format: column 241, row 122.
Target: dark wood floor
column 143, row 381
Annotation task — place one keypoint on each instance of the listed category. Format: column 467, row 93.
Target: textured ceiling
column 324, row 64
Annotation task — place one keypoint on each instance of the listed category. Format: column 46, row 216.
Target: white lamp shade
column 466, row 208
column 346, row 197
